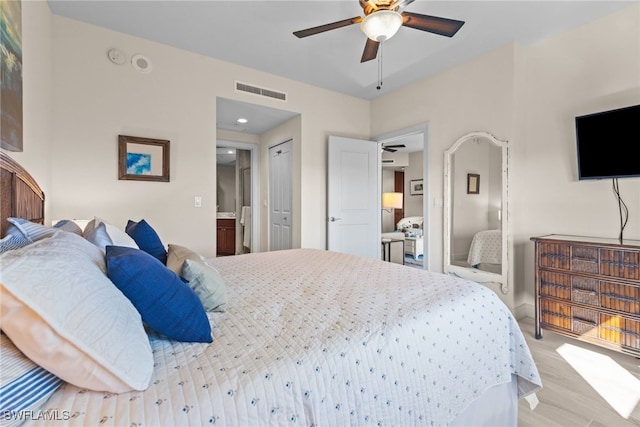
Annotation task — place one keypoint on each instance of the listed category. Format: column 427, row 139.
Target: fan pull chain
column 380, row 68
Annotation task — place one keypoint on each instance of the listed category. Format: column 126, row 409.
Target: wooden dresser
column 589, row 288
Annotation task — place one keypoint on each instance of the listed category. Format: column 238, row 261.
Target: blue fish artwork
column 138, row 164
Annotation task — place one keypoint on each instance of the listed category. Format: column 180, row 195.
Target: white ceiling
column 258, row 34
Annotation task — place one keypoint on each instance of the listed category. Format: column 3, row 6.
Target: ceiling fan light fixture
column 381, row 25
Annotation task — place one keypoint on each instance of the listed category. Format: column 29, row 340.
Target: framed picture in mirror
column 416, row 187
column 473, row 183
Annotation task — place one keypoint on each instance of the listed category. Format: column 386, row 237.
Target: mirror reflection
column 476, row 210
column 476, row 236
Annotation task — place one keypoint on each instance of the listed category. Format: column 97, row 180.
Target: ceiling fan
column 392, row 148
column 382, row 18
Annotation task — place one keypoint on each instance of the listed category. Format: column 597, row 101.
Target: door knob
column 334, row 219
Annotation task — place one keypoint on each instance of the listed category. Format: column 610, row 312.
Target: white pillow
column 116, row 236
column 60, row 309
column 99, row 237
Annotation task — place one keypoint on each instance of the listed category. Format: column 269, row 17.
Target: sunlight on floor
column 611, row 381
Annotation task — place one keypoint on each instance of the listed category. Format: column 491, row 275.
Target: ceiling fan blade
column 395, row 146
column 370, row 50
column 391, row 150
column 433, row 24
column 326, row 27
column 401, row 3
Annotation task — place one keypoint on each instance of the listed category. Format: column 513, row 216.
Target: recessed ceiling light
column 242, row 120
column 230, row 152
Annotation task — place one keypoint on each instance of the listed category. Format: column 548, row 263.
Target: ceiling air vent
column 269, row 93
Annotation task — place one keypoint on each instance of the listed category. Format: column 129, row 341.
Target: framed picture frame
column 416, row 187
column 143, row 159
column 11, row 89
column 473, row 183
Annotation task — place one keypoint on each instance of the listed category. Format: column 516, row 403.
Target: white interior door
column 280, row 196
column 353, row 199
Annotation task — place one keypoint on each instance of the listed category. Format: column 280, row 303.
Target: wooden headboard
column 20, row 194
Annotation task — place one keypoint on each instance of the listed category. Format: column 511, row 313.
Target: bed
column 312, row 337
column 485, row 251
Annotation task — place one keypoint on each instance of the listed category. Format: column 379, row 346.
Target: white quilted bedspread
column 315, row 338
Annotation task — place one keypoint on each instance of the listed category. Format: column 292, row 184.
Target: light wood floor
column 566, row 398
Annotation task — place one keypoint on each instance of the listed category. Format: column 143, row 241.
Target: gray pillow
column 203, row 278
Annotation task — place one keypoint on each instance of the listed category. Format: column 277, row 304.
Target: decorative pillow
column 62, row 312
column 166, row 304
column 99, row 237
column 68, row 225
column 147, row 239
column 30, row 230
column 410, row 222
column 13, row 241
column 177, row 255
column 203, row 278
column 24, row 386
column 207, row 283
column 117, row 236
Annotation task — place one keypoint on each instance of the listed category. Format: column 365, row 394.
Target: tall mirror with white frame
column 476, row 211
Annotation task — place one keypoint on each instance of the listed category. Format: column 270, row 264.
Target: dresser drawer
column 584, row 322
column 620, row 263
column 619, row 330
column 620, row 297
column 584, row 259
column 554, row 255
column 554, row 313
column 585, row 290
column 554, row 284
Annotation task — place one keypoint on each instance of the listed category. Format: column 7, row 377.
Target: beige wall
column 95, row 100
column 593, row 68
column 413, row 204
column 477, row 95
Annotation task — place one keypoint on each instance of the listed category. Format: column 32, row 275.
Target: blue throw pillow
column 147, row 239
column 164, row 301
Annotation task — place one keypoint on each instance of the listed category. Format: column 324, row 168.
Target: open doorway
column 246, row 130
column 235, row 199
column 404, row 170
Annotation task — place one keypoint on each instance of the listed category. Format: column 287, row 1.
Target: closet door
column 280, row 196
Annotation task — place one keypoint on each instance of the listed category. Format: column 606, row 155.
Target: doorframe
column 426, row 226
column 255, row 188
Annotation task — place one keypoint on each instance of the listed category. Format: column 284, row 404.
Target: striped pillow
column 31, row 230
column 24, row 386
column 13, row 240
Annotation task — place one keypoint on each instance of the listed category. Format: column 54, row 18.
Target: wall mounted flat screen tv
column 608, row 144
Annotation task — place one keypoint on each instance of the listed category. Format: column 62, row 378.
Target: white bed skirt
column 496, row 407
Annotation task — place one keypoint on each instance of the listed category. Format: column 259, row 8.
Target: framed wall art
column 143, row 159
column 416, row 187
column 11, row 71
